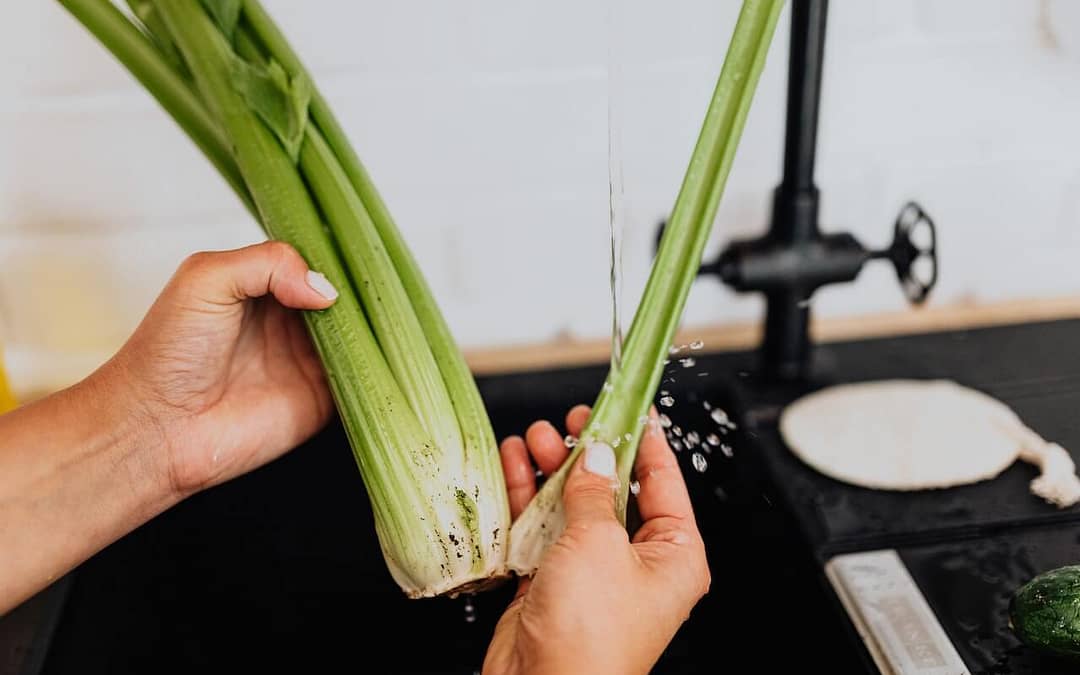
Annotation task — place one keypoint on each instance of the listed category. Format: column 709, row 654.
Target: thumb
column 589, row 493
column 273, row 267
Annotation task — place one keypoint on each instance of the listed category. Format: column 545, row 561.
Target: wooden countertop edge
column 734, row 337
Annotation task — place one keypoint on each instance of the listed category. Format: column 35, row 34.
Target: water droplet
column 643, row 420
column 744, row 373
column 615, row 443
column 664, row 392
column 667, row 401
column 677, row 430
column 570, row 441
column 608, row 386
column 707, row 405
column 699, row 461
column 692, row 438
column 720, row 494
column 704, row 373
column 628, row 437
column 665, row 421
column 675, row 349
column 635, row 487
column 697, row 344
column 539, row 473
column 721, row 418
column 470, row 611
column 688, row 362
column 667, row 361
column 712, row 439
column 726, row 449
column 676, row 445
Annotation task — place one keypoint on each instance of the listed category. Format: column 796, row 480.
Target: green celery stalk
column 623, row 405
column 481, row 449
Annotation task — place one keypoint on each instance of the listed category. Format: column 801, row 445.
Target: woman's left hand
column 222, row 366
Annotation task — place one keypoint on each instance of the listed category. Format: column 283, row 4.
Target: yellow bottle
column 7, row 399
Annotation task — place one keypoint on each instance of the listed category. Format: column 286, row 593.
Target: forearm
column 76, row 473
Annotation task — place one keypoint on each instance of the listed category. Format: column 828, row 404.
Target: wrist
column 78, row 470
column 109, row 409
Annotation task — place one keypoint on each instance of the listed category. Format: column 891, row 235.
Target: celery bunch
column 409, row 404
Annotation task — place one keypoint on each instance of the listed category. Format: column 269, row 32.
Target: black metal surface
column 1031, row 367
column 806, row 61
column 969, row 584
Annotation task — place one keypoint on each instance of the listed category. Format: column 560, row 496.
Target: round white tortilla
column 904, row 434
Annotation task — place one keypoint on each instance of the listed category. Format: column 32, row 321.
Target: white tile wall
column 484, row 124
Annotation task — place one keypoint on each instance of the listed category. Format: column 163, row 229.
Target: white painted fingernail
column 321, row 285
column 600, row 459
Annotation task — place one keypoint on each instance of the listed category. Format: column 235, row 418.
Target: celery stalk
column 481, row 450
column 622, row 406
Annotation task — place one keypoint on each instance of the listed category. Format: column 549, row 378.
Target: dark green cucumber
column 1045, row 612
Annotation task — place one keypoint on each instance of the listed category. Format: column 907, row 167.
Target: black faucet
column 795, row 258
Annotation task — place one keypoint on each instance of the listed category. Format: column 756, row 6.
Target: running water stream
column 616, row 197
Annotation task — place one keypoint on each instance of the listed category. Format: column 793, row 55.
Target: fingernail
column 600, row 459
column 321, row 285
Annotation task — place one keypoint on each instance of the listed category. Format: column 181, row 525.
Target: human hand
column 221, row 369
column 601, row 601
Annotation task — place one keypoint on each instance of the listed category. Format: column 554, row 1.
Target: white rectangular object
column 891, row 615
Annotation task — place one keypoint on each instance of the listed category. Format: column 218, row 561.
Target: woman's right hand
column 601, row 601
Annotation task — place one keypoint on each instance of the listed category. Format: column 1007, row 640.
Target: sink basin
column 281, row 569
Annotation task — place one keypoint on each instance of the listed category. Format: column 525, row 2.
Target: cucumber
column 1045, row 612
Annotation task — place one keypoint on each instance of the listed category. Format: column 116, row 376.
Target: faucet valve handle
column 913, row 252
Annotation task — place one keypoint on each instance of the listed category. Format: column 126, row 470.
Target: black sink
column 281, row 570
